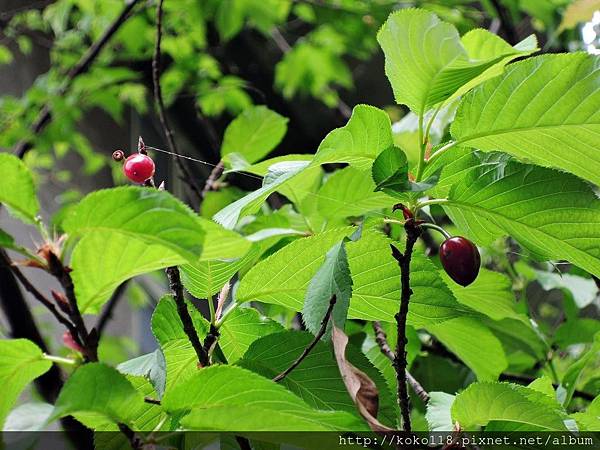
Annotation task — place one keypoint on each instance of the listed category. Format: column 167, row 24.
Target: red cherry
column 460, row 259
column 138, row 167
column 70, row 342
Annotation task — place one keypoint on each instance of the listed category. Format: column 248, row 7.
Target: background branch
column 82, row 66
column 156, row 61
column 109, row 308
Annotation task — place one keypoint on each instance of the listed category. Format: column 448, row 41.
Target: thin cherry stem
column 436, row 228
column 441, row 151
column 433, row 201
column 59, row 359
column 422, row 146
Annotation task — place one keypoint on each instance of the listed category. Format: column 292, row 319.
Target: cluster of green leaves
column 521, row 161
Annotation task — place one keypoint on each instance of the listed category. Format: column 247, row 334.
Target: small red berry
column 138, row 167
column 70, row 342
column 460, row 259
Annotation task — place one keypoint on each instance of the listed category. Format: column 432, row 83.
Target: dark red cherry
column 460, row 259
column 138, row 167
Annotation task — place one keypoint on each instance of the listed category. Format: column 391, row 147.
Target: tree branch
column 412, row 234
column 188, row 325
column 109, row 308
column 156, row 60
column 381, row 339
column 506, row 22
column 312, row 344
column 82, row 66
column 215, row 174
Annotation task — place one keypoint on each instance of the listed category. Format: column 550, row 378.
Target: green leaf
column 426, row 61
column 220, row 243
column 583, row 290
column 18, row 189
column 283, row 278
column 390, row 171
column 254, row 133
column 350, row 192
column 490, row 294
column 100, row 389
column 543, row 385
column 20, row 363
column 206, row 278
column 248, row 402
column 181, row 359
column 277, row 176
column 241, row 328
column 102, row 261
column 332, row 278
column 438, row 415
column 149, row 215
column 481, row 403
column 466, row 337
column 589, row 419
column 151, row 366
column 367, row 133
column 29, row 417
column 569, row 379
column 555, row 215
column 543, row 109
column 317, row 379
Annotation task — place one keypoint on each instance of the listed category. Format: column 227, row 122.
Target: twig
column 82, row 66
column 152, row 401
column 215, row 174
column 381, row 339
column 156, row 60
column 313, row 343
column 134, row 441
column 188, row 326
column 506, row 23
column 109, row 308
column 412, row 234
column 62, row 274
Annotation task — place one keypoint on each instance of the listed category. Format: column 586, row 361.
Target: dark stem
column 156, row 61
column 44, row 301
column 109, row 308
column 215, row 174
column 506, row 22
column 312, row 344
column 188, row 325
column 381, row 339
column 134, row 441
column 412, row 234
column 82, row 66
column 243, row 443
column 62, row 274
column 211, row 338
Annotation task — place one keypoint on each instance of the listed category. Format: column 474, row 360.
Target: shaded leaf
column 18, row 190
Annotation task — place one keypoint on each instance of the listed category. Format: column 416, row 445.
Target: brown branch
column 156, row 61
column 82, row 66
column 512, row 36
column 63, row 275
column 312, row 344
column 412, row 234
column 109, row 308
column 381, row 339
column 215, row 174
column 188, row 325
column 45, row 301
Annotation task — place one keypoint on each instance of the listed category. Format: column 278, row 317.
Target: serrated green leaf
column 99, row 389
column 317, row 379
column 18, row 190
column 206, row 278
column 20, row 363
column 332, row 278
column 149, row 215
column 248, row 402
column 390, row 171
column 180, row 357
column 28, row 417
column 101, row 261
column 481, row 403
column 240, row 329
column 555, row 215
column 589, row 419
column 254, row 133
column 410, row 37
column 543, row 109
column 278, row 175
column 438, row 413
column 543, row 385
column 367, row 133
column 151, row 366
column 283, row 278
column 349, row 192
column 569, row 379
column 466, row 337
